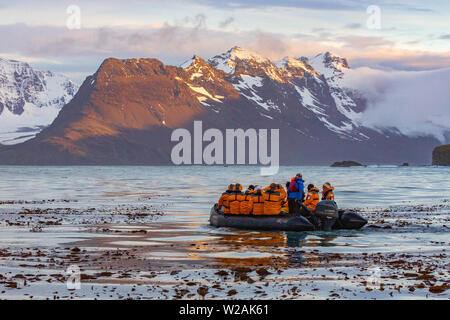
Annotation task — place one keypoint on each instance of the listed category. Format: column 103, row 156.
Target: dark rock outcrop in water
column 441, row 155
column 125, row 113
column 347, row 164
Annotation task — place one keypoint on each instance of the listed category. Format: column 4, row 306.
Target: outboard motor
column 351, row 220
column 327, row 212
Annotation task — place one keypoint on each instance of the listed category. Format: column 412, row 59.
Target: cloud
column 270, row 45
column 408, row 7
column 168, row 42
column 176, row 42
column 415, row 103
column 320, row 5
column 445, row 37
column 353, row 26
column 337, row 5
column 226, row 22
column 361, row 42
column 396, row 59
column 198, row 21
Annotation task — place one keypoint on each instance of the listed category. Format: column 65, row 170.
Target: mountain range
column 124, row 114
column 29, row 100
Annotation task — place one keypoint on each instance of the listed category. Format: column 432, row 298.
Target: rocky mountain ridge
column 126, row 111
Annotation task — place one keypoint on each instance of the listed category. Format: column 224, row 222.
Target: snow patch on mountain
column 289, row 61
column 309, row 101
column 329, row 64
column 247, row 86
column 287, row 64
column 247, row 82
column 345, row 106
column 20, row 128
column 267, row 116
column 251, row 61
column 344, row 131
column 205, row 94
column 227, row 61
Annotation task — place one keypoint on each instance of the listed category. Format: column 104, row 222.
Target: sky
column 388, row 34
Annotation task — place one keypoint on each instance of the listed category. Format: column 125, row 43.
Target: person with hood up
column 273, row 199
column 245, row 199
column 295, row 193
column 327, row 191
column 313, row 198
column 223, row 201
column 257, row 202
column 234, row 199
column 309, row 206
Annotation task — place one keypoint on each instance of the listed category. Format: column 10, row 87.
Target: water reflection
column 186, row 194
column 295, row 239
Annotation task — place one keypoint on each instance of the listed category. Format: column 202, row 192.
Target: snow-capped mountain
column 314, row 83
column 126, row 111
column 334, row 69
column 29, row 100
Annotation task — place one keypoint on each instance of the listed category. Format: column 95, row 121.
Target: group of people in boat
column 274, row 199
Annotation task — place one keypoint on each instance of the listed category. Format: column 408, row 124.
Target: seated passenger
column 223, row 201
column 257, row 202
column 234, row 199
column 273, row 199
column 245, row 200
column 327, row 192
column 309, row 206
column 313, row 198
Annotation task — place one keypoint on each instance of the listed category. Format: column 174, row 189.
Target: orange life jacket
column 245, row 199
column 285, row 207
column 257, row 203
column 327, row 194
column 312, row 199
column 273, row 200
column 234, row 199
column 223, row 201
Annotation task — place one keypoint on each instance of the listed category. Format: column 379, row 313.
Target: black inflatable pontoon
column 287, row 223
column 331, row 219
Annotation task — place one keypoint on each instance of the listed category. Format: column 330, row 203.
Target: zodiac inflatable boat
column 327, row 211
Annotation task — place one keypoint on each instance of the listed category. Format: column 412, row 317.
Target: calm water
column 186, row 194
column 191, row 190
